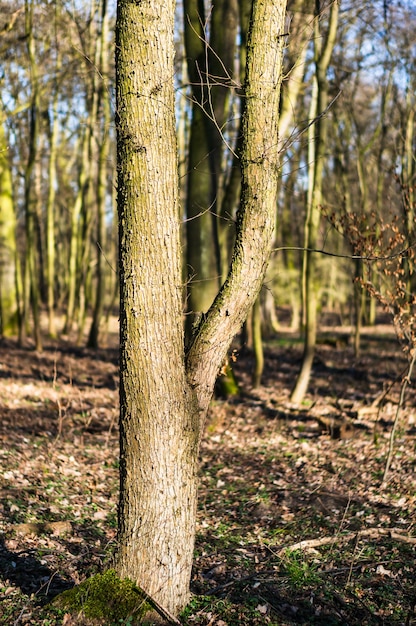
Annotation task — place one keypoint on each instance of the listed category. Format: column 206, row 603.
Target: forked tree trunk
column 164, row 393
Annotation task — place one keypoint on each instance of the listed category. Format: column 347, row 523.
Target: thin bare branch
column 352, row 257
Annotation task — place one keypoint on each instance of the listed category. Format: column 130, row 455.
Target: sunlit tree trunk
column 50, row 206
column 164, row 392
column 408, row 164
column 74, row 238
column 159, row 421
column 300, row 31
column 365, row 174
column 257, row 344
column 317, row 145
column 407, row 171
column 9, row 304
column 231, row 196
column 300, row 34
column 32, row 294
column 210, row 49
column 342, row 166
column 86, row 198
column 86, row 294
column 104, row 119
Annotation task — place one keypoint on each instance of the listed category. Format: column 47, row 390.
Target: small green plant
column 204, row 610
column 125, row 622
column 300, row 571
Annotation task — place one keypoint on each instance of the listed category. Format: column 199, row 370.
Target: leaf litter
column 294, row 525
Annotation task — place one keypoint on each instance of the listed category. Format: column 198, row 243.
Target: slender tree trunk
column 86, row 200
column 257, row 344
column 73, row 270
column 210, row 67
column 84, row 261
column 103, row 111
column 256, row 216
column 319, row 105
column 9, row 303
column 301, row 32
column 32, row 275
column 50, row 206
column 408, row 165
column 232, row 193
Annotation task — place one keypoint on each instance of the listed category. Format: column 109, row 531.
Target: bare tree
column 164, row 391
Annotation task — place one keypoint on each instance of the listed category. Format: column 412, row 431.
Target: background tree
column 10, row 312
column 103, row 123
column 323, row 47
column 210, row 43
column 31, row 198
column 9, row 302
column 371, row 66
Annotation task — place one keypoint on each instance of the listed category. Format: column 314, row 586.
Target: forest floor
column 272, row 475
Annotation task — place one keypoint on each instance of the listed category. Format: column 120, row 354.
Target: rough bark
column 164, row 396
column 256, row 217
column 159, row 432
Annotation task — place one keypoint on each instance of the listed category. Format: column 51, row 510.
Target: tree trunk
column 164, row 393
column 88, row 188
column 256, row 216
column 210, row 67
column 52, row 186
column 32, row 294
column 74, row 237
column 9, row 304
column 317, row 145
column 257, row 344
column 103, row 121
column 159, row 423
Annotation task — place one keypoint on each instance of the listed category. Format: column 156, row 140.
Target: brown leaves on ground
column 272, row 475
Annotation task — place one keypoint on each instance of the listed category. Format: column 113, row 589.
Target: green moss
column 226, row 385
column 105, row 597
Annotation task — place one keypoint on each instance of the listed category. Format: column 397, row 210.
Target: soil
column 273, row 475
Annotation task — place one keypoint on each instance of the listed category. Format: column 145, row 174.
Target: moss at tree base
column 105, row 598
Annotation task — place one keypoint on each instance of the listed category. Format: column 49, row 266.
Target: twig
column 301, row 132
column 352, row 562
column 209, row 81
column 371, row 533
column 171, row 619
column 352, row 257
column 236, row 581
column 405, row 382
column 365, row 605
column 45, row 584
